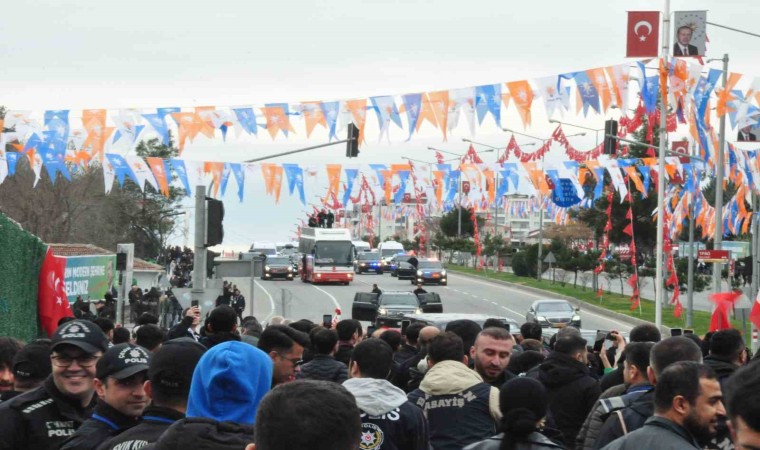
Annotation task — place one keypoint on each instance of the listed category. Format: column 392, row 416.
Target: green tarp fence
column 21, row 256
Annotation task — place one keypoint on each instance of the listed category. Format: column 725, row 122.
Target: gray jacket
column 534, row 441
column 657, row 432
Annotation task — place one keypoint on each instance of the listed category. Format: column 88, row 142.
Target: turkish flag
column 754, row 315
column 643, row 34
column 720, row 319
column 52, row 302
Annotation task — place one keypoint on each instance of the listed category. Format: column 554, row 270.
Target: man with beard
column 687, row 402
column 285, row 346
column 491, row 353
column 742, row 395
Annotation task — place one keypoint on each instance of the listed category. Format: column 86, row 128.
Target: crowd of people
column 226, row 383
column 179, row 265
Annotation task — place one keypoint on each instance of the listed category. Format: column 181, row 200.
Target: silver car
column 553, row 313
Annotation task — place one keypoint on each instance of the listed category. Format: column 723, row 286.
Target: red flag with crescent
column 643, row 34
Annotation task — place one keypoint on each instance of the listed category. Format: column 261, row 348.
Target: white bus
column 328, row 255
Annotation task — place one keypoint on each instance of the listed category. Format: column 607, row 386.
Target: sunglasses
column 295, row 361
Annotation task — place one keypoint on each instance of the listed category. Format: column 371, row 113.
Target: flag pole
column 663, row 134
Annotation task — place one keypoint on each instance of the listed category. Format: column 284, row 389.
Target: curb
column 590, row 306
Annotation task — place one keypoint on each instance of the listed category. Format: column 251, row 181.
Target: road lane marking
column 335, row 301
column 508, row 288
column 271, row 301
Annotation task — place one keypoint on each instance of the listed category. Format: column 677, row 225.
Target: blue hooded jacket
column 229, row 382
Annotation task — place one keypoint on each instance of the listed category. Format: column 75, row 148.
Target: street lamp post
column 496, row 201
column 718, row 239
column 459, row 187
column 540, row 201
column 595, row 130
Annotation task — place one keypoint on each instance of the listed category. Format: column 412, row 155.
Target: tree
column 449, row 221
column 644, row 228
column 79, row 211
column 495, row 245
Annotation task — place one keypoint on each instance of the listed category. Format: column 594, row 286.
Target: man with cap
column 119, row 378
column 31, row 366
column 44, row 417
column 169, row 376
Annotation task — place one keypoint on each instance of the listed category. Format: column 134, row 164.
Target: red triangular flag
column 599, row 292
column 754, row 315
column 628, row 230
column 52, row 302
column 678, row 311
column 723, row 302
column 635, row 300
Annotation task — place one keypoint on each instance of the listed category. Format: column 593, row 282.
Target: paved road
column 297, row 300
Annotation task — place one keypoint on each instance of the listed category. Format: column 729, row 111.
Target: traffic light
column 214, row 222
column 352, row 146
column 610, row 143
column 210, row 262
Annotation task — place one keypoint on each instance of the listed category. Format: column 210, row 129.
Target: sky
column 77, row 54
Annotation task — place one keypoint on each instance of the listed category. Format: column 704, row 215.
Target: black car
column 278, row 267
column 430, row 271
column 554, row 313
column 368, row 262
column 393, row 304
column 403, row 266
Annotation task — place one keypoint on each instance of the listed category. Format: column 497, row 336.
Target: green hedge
column 21, row 256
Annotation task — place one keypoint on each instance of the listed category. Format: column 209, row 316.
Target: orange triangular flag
column 159, row 171
column 277, row 120
column 206, row 125
column 216, row 169
column 440, row 104
column 522, row 95
column 333, row 179
column 426, row 113
column 189, row 125
column 358, row 109
column 602, row 87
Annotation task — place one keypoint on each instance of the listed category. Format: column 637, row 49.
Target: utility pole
column 199, row 260
column 663, row 136
column 718, row 239
column 459, row 206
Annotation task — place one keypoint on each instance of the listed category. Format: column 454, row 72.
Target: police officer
column 44, row 417
column 168, row 386
column 119, row 378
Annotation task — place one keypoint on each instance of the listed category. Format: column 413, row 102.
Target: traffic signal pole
column 199, row 246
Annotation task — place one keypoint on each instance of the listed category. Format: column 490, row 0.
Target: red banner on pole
column 52, row 301
column 643, row 34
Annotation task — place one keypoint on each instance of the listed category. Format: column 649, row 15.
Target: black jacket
column 182, row 329
column 155, row 421
column 40, row 419
column 572, row 393
column 344, row 353
column 634, row 416
column 534, row 441
column 211, row 340
column 722, row 368
column 104, row 423
column 405, row 352
column 603, row 409
column 657, row 433
column 204, row 434
column 323, row 368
